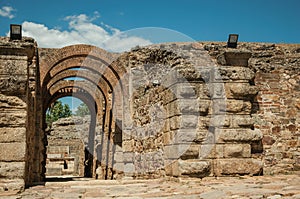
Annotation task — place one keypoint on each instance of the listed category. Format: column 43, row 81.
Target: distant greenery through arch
column 57, row 111
column 82, row 110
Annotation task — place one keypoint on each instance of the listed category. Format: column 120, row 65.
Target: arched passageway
column 84, row 72
column 67, row 134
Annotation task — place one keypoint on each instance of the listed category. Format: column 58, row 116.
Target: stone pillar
column 233, row 153
column 16, row 68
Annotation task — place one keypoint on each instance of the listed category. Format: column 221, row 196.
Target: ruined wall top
column 24, row 47
column 265, row 57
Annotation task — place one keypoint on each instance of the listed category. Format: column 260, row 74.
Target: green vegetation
column 56, row 111
column 82, row 110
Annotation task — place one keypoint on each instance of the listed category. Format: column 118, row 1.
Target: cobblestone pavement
column 271, row 187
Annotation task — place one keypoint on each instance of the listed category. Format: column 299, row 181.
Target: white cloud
column 82, row 30
column 6, row 11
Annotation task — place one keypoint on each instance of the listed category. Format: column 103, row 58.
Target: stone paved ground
column 271, row 187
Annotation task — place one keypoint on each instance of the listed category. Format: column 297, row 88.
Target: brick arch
column 87, row 73
column 101, row 83
column 94, row 65
column 67, row 88
column 56, row 65
column 67, row 56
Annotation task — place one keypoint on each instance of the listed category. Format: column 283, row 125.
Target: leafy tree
column 82, row 110
column 67, row 111
column 56, row 111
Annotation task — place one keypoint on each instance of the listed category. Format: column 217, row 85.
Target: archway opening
column 70, row 123
column 84, row 72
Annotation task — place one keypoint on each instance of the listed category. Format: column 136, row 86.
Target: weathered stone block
column 237, row 150
column 188, row 121
column 238, row 135
column 194, row 168
column 184, row 122
column 208, row 151
column 128, row 145
column 166, row 138
column 169, row 167
column 12, row 134
column 14, row 65
column 238, row 106
column 204, row 106
column 218, row 121
column 11, row 170
column 175, row 151
column 174, row 122
column 12, row 185
column 127, row 134
column 240, row 90
column 234, row 58
column 203, row 91
column 243, row 121
column 201, row 135
column 119, row 166
column 232, row 106
column 185, row 135
column 204, row 68
column 191, row 153
column 190, row 135
column 190, row 106
column 169, row 96
column 218, row 106
column 128, row 157
column 118, row 157
column 166, row 126
column 173, row 109
column 11, row 102
column 184, row 90
column 234, row 73
column 52, row 171
column 14, row 151
column 129, row 169
column 244, row 166
column 13, row 118
column 13, row 84
column 217, row 90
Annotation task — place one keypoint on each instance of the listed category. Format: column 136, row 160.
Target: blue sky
column 255, row 21
column 118, row 25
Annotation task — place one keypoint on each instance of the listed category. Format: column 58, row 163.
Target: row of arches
column 89, row 74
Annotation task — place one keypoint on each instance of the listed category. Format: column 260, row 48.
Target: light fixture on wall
column 15, row 32
column 232, row 40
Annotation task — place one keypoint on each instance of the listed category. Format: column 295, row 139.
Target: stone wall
column 66, row 140
column 190, row 116
column 278, row 81
column 276, row 106
column 17, row 92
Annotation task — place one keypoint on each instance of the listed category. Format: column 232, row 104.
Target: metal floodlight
column 232, row 40
column 15, row 32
